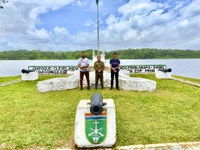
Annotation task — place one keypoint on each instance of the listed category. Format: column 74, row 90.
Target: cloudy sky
column 71, row 24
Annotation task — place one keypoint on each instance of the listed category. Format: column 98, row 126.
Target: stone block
column 86, row 136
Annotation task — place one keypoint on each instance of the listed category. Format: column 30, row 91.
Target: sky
column 66, row 25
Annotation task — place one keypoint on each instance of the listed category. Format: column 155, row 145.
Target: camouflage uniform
column 99, row 75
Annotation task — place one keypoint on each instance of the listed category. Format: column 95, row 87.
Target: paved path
column 10, row 82
column 186, row 81
column 164, row 146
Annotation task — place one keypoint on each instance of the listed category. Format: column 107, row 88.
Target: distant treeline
column 123, row 54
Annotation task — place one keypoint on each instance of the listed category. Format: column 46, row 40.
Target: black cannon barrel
column 27, row 70
column 166, row 70
column 97, row 104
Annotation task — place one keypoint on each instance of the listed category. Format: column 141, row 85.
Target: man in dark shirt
column 114, row 66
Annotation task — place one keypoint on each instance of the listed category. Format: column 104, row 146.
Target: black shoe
column 111, row 88
column 102, row 88
column 95, row 87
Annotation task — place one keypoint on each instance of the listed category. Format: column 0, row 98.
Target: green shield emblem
column 96, row 127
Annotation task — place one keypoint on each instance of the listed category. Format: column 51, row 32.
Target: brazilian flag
column 97, row 1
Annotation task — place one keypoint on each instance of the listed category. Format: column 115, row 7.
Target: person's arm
column 112, row 67
column 95, row 66
column 103, row 66
column 79, row 64
column 117, row 67
column 85, row 67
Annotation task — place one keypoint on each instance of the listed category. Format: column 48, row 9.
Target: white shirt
column 83, row 62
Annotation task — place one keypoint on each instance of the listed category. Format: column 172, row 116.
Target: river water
column 182, row 67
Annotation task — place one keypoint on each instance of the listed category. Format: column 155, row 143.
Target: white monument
column 72, row 81
column 160, row 74
column 125, row 82
column 29, row 76
column 103, row 56
column 95, row 131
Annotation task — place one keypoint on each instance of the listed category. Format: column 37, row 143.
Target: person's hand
column 99, row 70
column 114, row 70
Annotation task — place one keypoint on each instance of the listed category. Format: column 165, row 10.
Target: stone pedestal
column 163, row 75
column 102, row 132
column 125, row 82
column 31, row 76
column 58, row 84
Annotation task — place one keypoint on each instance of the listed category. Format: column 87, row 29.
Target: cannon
column 165, row 70
column 97, row 104
column 27, row 71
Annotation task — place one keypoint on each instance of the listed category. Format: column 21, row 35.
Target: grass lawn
column 29, row 118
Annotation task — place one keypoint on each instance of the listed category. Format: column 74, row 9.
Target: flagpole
column 98, row 28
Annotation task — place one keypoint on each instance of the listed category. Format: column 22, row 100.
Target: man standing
column 99, row 67
column 114, row 66
column 83, row 64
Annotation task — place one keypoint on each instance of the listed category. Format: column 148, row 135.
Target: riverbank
column 31, row 119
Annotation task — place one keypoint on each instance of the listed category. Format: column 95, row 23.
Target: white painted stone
column 163, row 75
column 31, row 76
column 79, row 134
column 125, row 82
column 58, row 84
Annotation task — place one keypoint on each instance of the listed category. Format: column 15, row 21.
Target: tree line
column 123, row 54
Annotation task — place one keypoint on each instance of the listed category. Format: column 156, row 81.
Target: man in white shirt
column 83, row 64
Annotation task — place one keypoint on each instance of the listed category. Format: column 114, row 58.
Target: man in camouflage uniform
column 99, row 67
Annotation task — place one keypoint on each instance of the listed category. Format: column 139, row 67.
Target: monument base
column 163, row 75
column 125, row 82
column 95, row 131
column 31, row 76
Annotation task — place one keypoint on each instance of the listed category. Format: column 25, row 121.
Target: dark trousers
column 87, row 78
column 99, row 76
column 116, row 74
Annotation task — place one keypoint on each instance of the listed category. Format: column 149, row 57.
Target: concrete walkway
column 164, row 146
column 186, row 82
column 10, row 82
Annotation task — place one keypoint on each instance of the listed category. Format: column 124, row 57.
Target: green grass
column 188, row 79
column 29, row 118
column 7, row 79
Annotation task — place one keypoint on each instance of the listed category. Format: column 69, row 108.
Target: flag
column 97, row 1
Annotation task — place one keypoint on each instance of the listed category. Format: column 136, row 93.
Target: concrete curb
column 186, row 82
column 164, row 146
column 10, row 82
column 161, row 146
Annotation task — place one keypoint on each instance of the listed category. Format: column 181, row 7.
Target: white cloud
column 138, row 24
column 144, row 24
